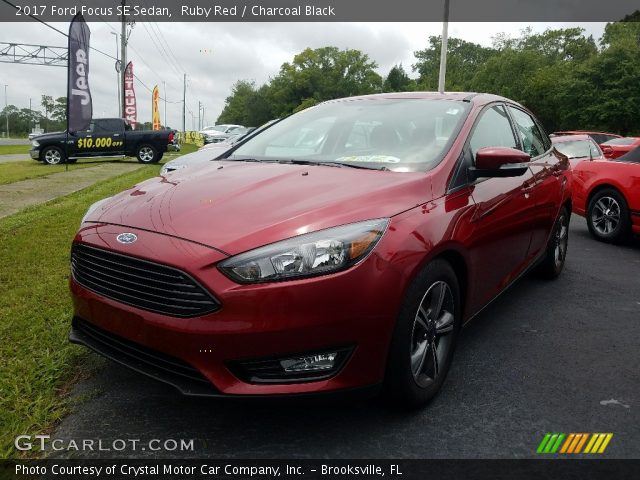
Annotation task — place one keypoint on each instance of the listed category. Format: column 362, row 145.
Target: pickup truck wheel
column 52, row 156
column 147, row 154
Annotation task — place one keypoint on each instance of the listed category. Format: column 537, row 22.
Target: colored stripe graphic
column 572, row 443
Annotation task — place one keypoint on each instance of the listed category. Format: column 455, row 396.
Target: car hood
column 48, row 136
column 237, row 206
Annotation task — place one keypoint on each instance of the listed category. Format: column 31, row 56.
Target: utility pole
column 123, row 55
column 443, row 48
column 6, row 108
column 199, row 118
column 184, row 103
column 118, row 67
column 30, row 116
column 164, row 89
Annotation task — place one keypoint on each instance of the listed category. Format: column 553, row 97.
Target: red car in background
column 342, row 248
column 607, row 193
column 599, row 137
column 577, row 148
column 620, row 146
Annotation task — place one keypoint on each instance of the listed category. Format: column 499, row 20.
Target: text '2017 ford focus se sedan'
column 341, row 248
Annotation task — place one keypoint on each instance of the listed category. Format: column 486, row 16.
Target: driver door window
column 492, row 130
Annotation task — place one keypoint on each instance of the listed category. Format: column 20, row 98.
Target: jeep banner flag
column 79, row 104
column 155, row 113
column 130, row 109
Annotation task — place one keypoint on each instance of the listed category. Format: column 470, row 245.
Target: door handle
column 116, row 134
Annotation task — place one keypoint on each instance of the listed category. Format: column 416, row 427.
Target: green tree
column 59, row 111
column 398, row 81
column 463, row 60
column 322, row 74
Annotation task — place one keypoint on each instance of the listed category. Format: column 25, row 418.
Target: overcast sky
column 215, row 55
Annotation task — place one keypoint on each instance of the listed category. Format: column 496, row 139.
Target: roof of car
column 472, row 97
column 569, row 138
column 585, row 132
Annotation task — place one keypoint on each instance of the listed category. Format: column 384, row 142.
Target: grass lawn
column 14, row 149
column 37, row 363
column 22, row 170
column 25, row 169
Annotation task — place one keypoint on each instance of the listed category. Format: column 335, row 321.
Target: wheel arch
column 604, row 186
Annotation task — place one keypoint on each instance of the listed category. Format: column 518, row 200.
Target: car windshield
column 403, row 135
column 576, row 148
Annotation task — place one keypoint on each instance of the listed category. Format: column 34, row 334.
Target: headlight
column 35, row 143
column 317, row 253
column 93, row 208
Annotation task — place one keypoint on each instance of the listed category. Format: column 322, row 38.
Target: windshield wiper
column 329, row 164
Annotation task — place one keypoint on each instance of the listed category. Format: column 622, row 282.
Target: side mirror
column 500, row 162
column 606, row 150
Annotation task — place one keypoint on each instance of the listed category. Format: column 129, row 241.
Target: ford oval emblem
column 127, row 238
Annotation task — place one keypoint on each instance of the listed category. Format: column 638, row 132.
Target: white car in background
column 211, row 151
column 219, row 133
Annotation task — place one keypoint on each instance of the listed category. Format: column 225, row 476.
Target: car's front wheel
column 52, row 156
column 425, row 337
column 608, row 216
column 147, row 154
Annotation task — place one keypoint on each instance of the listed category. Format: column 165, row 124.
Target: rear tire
column 556, row 251
column 424, row 338
column 52, row 156
column 608, row 216
column 147, row 154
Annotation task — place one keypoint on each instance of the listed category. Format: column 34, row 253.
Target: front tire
column 425, row 337
column 556, row 251
column 52, row 156
column 608, row 216
column 147, row 154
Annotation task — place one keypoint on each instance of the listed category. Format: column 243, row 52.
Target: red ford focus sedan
column 342, row 248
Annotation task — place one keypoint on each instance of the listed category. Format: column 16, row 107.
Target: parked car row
column 220, row 133
column 606, row 191
column 612, row 145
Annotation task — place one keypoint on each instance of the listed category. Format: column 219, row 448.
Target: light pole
column 443, row 48
column 6, row 108
column 118, row 68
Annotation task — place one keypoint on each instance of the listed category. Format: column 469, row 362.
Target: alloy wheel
column 561, row 240
column 431, row 338
column 605, row 217
column 52, row 157
column 146, row 154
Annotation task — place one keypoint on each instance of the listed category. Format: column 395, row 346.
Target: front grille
column 140, row 283
column 150, row 362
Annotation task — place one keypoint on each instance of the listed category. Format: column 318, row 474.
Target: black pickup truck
column 105, row 137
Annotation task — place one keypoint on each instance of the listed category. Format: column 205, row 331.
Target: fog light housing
column 310, row 363
column 294, row 368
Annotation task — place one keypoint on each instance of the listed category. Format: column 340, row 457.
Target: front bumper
column 355, row 308
column 35, row 154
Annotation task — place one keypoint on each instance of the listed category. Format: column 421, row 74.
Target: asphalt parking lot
column 556, row 356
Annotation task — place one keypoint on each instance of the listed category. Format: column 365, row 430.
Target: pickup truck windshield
column 402, row 135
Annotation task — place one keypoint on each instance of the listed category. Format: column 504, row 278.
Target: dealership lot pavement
column 545, row 357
